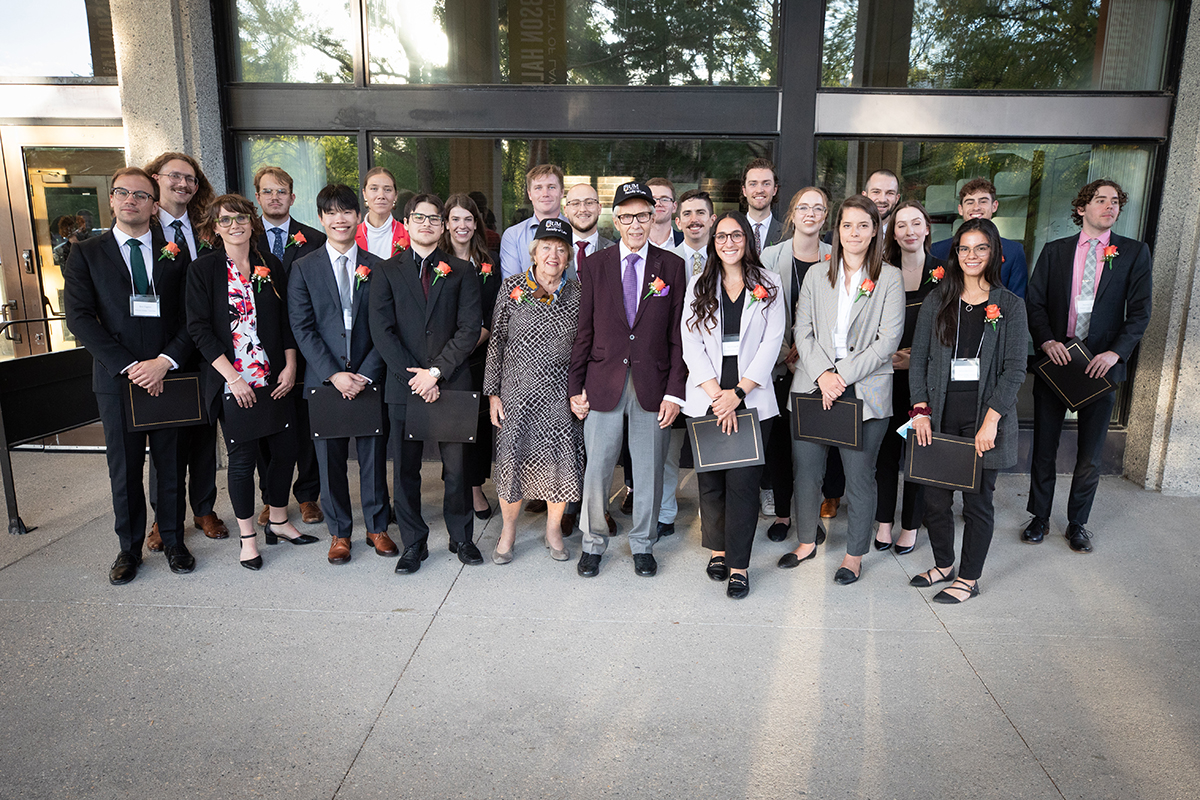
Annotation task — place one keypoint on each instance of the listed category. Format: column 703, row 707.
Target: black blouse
column 731, row 325
column 970, row 336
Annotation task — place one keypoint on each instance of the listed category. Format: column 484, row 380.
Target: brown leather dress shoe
column 154, row 540
column 829, row 507
column 310, row 512
column 339, row 550
column 264, row 516
column 383, row 545
column 212, row 526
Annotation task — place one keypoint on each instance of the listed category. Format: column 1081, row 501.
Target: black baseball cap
column 554, row 228
column 634, row 190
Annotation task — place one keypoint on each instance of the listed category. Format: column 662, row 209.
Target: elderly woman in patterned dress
column 539, row 447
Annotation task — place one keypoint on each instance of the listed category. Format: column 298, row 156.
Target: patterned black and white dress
column 539, row 447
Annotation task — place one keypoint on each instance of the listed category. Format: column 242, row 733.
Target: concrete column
column 167, row 70
column 1163, row 446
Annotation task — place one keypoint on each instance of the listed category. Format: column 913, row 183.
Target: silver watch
column 436, row 373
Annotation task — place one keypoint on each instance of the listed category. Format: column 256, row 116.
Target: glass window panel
column 1103, row 45
column 294, row 41
column 81, row 44
column 312, row 161
column 600, row 42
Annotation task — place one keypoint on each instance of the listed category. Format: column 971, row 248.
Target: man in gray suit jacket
column 327, row 304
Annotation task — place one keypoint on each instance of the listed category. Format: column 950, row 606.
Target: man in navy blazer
column 124, row 295
column 977, row 200
column 627, row 365
column 328, row 307
column 1094, row 287
column 425, row 321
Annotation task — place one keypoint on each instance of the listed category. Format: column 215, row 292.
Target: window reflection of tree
column 277, row 36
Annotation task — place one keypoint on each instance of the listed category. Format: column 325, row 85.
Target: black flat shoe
column 256, row 562
column 844, row 576
column 791, row 560
column 882, row 545
column 926, row 579
column 717, row 569
column 778, row 532
column 484, row 514
column 739, row 586
column 944, row 595
column 272, row 537
column 820, row 535
column 645, row 565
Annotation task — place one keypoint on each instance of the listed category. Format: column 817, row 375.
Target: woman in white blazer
column 849, row 319
column 733, row 322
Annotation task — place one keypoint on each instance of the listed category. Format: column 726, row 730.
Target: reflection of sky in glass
column 406, row 40
column 45, row 38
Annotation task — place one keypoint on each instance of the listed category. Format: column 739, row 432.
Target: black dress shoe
column 903, row 551
column 820, row 535
column 791, row 560
column 645, row 565
column 272, row 536
column 716, row 568
column 926, row 579
column 844, row 576
column 882, row 545
column 468, row 553
column 627, row 503
column 179, row 559
column 1035, row 531
column 589, row 565
column 410, row 560
column 739, row 586
column 486, row 514
column 944, row 595
column 778, row 531
column 1079, row 538
column 666, row 529
column 124, row 569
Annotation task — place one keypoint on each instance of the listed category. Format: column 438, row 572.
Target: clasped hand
column 831, row 385
column 149, row 375
column 348, row 383
column 724, row 405
column 423, row 384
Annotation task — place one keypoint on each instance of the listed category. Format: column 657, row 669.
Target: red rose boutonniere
column 518, row 294
column 169, row 251
column 758, row 294
column 259, row 276
column 1110, row 253
column 658, row 288
column 486, row 271
column 868, row 286
column 440, row 271
column 297, row 239
column 361, row 274
column 827, row 256
column 992, row 314
column 936, row 275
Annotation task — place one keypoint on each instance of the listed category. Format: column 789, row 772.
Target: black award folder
column 332, row 416
column 1070, row 382
column 265, row 417
column 840, row 426
column 712, row 449
column 453, row 417
column 948, row 462
column 180, row 404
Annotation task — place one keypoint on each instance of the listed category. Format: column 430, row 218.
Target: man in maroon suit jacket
column 627, row 365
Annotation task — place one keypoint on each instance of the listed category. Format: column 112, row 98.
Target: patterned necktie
column 582, row 248
column 277, row 245
column 697, row 263
column 758, row 242
column 629, row 284
column 1087, row 290
column 180, row 239
column 137, row 266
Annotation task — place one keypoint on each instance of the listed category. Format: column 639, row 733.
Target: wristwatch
column 740, row 392
column 436, row 373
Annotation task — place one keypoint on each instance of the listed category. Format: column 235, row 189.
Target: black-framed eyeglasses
column 121, row 193
column 226, row 221
column 418, row 217
column 176, row 177
column 627, row 219
column 737, row 237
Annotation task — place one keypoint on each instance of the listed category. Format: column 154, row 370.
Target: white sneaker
column 766, row 498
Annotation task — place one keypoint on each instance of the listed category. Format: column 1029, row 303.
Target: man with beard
column 760, row 184
column 582, row 210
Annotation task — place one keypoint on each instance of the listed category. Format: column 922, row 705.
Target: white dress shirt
column 284, row 227
column 148, row 256
column 165, row 220
column 640, row 268
column 846, row 299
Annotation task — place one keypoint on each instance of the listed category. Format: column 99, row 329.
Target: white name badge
column 964, row 369
column 347, row 319
column 1083, row 305
column 143, row 305
column 730, row 345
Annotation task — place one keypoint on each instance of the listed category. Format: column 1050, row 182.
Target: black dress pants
column 887, row 465
column 406, row 480
column 307, row 488
column 729, row 509
column 958, row 419
column 198, row 445
column 243, row 458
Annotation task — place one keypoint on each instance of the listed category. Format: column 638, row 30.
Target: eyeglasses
column 589, row 203
column 979, row 250
column 664, row 200
column 803, row 211
column 176, row 177
column 270, row 192
column 240, row 219
column 121, row 194
column 627, row 219
column 418, row 217
column 737, row 237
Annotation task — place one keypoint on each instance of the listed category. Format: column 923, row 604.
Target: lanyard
column 958, row 329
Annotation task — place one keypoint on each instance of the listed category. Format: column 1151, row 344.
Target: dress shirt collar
column 165, row 219
column 334, row 255
column 644, row 252
column 285, row 227
column 1103, row 238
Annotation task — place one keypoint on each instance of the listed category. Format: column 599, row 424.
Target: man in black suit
column 289, row 240
column 124, row 302
column 1094, row 287
column 328, row 307
column 425, row 320
column 760, row 184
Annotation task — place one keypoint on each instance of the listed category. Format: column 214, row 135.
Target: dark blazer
column 96, row 296
column 605, row 346
column 1122, row 309
column 208, row 317
column 410, row 331
column 1014, row 272
column 315, row 311
column 314, row 241
column 774, row 231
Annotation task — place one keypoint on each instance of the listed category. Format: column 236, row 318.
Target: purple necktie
column 630, row 284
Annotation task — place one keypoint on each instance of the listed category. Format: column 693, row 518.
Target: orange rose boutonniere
column 297, row 239
column 260, row 275
column 440, row 271
column 361, row 274
column 992, row 314
column 169, row 251
column 868, row 286
column 758, row 294
column 1110, row 253
column 936, row 275
column 658, row 288
column 486, row 271
column 518, row 294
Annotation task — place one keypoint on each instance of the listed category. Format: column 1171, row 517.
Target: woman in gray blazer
column 968, row 362
column 732, row 325
column 849, row 319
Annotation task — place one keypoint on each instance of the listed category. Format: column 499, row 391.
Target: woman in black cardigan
column 237, row 317
column 968, row 362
